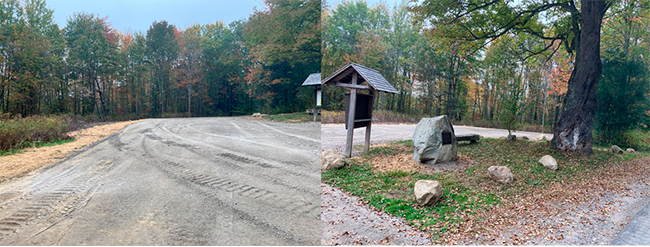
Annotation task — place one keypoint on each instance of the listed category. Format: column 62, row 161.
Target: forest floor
column 31, row 159
column 589, row 200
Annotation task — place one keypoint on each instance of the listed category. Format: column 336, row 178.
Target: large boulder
column 501, row 174
column 331, row 159
column 427, row 192
column 616, row 149
column 428, row 141
column 549, row 162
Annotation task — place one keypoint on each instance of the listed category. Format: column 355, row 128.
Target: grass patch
column 471, row 200
column 36, row 144
column 296, row 117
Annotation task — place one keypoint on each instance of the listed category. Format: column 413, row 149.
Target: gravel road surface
column 193, row 181
column 333, row 135
column 637, row 231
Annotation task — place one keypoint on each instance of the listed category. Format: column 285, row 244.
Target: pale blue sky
column 138, row 15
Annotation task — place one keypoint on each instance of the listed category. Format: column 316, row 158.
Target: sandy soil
column 28, row 160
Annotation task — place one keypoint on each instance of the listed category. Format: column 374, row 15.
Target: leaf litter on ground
column 541, row 206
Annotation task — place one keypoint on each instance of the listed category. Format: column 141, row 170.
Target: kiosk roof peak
column 373, row 77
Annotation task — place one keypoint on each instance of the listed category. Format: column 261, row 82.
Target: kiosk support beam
column 351, row 116
column 369, row 123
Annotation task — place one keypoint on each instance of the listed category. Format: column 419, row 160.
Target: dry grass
column 403, row 161
column 12, row 166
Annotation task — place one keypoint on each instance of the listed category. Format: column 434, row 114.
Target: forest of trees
column 470, row 61
column 89, row 68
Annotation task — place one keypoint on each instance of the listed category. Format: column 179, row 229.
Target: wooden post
column 351, row 115
column 370, row 122
column 315, row 102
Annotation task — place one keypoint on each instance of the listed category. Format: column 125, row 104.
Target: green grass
column 296, row 117
column 36, row 144
column 468, row 192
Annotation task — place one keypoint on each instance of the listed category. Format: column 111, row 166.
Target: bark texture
column 573, row 130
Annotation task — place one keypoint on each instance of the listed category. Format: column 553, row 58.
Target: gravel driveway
column 191, row 181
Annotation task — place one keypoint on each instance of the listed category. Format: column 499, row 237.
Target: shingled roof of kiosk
column 312, row 80
column 374, row 79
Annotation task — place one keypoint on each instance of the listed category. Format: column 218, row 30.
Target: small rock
column 501, row 174
column 427, row 192
column 630, row 151
column 331, row 159
column 548, row 162
column 617, row 150
column 257, row 114
column 524, row 138
column 511, row 138
column 541, row 137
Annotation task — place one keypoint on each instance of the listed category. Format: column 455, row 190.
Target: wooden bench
column 472, row 138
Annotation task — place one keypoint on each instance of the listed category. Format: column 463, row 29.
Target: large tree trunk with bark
column 573, row 130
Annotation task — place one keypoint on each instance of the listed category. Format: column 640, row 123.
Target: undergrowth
column 31, row 131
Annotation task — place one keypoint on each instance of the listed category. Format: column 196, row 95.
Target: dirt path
column 192, row 181
column 31, row 159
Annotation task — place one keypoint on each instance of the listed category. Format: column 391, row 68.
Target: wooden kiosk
column 314, row 80
column 352, row 76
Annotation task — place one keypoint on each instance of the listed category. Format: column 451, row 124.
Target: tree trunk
column 573, row 130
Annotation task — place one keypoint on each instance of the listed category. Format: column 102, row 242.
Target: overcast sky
column 372, row 3
column 138, row 15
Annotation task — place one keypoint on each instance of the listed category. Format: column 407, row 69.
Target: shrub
column 25, row 132
column 621, row 98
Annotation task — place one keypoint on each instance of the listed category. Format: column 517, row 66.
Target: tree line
column 514, row 64
column 217, row 69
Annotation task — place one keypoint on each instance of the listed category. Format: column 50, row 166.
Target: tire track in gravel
column 283, row 202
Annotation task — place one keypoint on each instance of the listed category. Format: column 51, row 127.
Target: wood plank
column 348, row 85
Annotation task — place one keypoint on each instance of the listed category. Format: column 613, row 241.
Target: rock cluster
column 427, row 192
column 501, row 174
column 331, row 159
column 260, row 115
